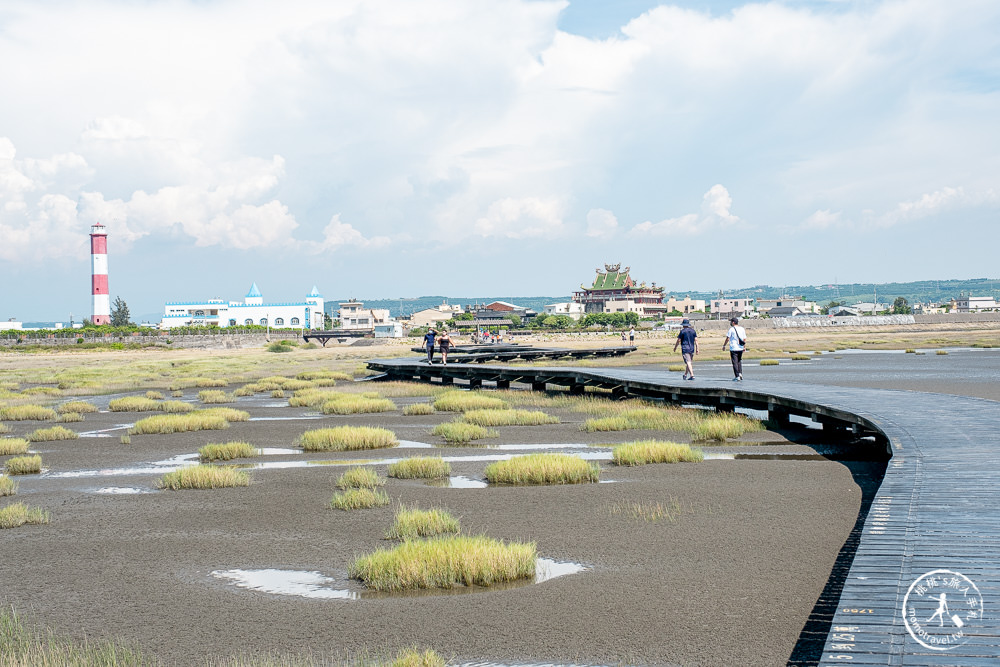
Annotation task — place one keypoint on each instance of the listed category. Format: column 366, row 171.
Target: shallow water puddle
column 155, row 468
column 105, row 432
column 123, row 490
column 284, row 419
column 314, row 585
column 458, row 482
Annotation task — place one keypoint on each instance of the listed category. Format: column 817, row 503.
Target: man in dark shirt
column 429, row 344
column 687, row 338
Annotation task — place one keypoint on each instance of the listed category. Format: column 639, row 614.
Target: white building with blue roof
column 306, row 314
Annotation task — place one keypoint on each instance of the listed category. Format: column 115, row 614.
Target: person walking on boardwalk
column 687, row 338
column 429, row 344
column 736, row 340
column 631, row 337
column 444, row 340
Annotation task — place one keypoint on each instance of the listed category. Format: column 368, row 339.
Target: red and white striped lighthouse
column 99, row 275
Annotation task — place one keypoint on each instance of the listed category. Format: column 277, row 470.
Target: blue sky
column 475, row 147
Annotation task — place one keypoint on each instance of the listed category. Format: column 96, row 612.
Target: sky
column 399, row 148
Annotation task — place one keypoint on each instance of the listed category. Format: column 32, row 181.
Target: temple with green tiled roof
column 615, row 291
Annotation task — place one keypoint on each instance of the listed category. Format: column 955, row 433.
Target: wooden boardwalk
column 938, row 507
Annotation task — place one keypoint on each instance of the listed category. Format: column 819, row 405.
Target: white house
column 307, row 314
column 571, row 309
column 355, row 317
column 974, row 304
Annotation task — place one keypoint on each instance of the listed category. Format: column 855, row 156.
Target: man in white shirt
column 736, row 341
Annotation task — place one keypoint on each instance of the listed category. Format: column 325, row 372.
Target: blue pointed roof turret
column 254, row 292
column 315, row 292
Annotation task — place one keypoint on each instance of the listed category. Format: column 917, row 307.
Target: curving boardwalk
column 938, row 507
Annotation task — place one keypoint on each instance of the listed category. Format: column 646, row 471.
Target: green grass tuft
column 24, row 465
column 418, row 409
column 347, row 438
column 194, row 421
column 508, row 418
column 420, row 467
column 654, row 451
column 645, row 419
column 724, row 425
column 54, row 433
column 413, row 523
column 227, row 451
column 10, row 446
column 444, row 562
column 175, row 407
column 350, row 405
column 14, row 413
column 542, row 469
column 768, row 362
column 460, row 433
column 204, row 477
column 359, row 478
column 938, row 352
column 79, row 407
column 24, row 646
column 154, row 395
column 20, row 514
column 213, row 396
column 68, row 417
column 463, row 401
column 8, row 487
column 133, row 404
column 359, row 499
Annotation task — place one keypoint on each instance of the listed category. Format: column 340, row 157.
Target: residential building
column 615, row 284
column 430, row 317
column 498, row 310
column 685, row 305
column 354, row 316
column 306, row 314
column 973, row 304
column 570, row 309
column 733, row 307
column 767, row 305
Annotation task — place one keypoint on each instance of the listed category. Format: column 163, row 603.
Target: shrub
column 412, row 523
column 459, row 433
column 20, row 514
column 357, row 499
column 542, row 469
column 359, row 478
column 13, row 446
column 54, row 433
column 227, row 451
column 278, row 347
column 193, row 421
column 213, row 396
column 24, row 465
column 420, row 467
column 462, row 401
column 509, row 418
column 15, row 413
column 204, row 477
column 133, row 404
column 349, row 405
column 347, row 438
column 724, row 425
column 418, row 409
column 79, row 407
column 443, row 562
column 654, row 451
column 8, row 487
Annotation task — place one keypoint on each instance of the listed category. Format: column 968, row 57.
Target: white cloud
column 714, row 215
column 823, row 220
column 944, row 200
column 526, row 218
column 337, row 234
column 601, row 223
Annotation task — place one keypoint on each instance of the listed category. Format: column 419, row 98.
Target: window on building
column 232, row 323
column 199, row 313
column 295, row 321
column 248, row 322
column 278, row 321
column 263, row 321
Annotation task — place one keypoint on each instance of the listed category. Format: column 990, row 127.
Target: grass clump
column 350, row 405
column 542, row 469
column 177, row 393
column 463, row 401
column 313, row 397
column 26, row 646
column 323, row 375
column 67, row 417
column 79, row 407
column 126, row 439
column 229, row 414
column 460, row 433
column 14, row 413
column 208, row 383
column 509, row 418
column 413, row 523
column 654, row 451
column 768, row 362
column 724, row 425
column 133, row 404
column 204, row 477
column 279, row 346
column 801, row 357
column 938, row 352
column 420, row 467
column 8, row 487
column 24, row 465
column 412, row 657
column 213, row 396
column 154, row 395
column 54, row 433
column 359, row 478
column 174, row 407
column 20, row 514
column 645, row 419
column 277, row 393
column 347, row 438
column 444, row 562
column 193, row 421
column 418, row 409
column 227, row 451
column 10, row 446
column 359, row 499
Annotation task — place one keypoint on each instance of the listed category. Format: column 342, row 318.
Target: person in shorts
column 687, row 338
column 444, row 341
column 736, row 341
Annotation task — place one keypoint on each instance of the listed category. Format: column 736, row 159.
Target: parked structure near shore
column 307, row 314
